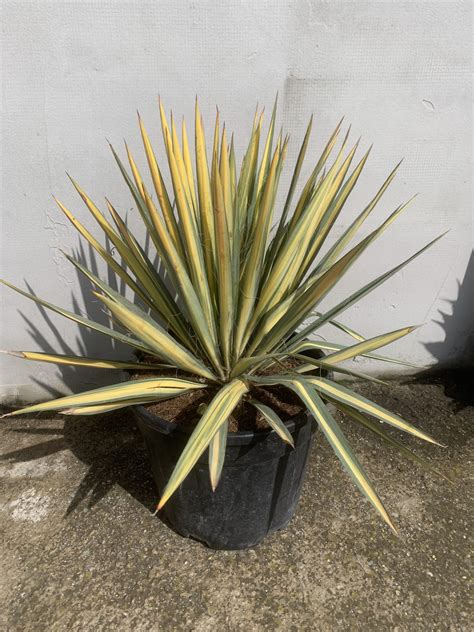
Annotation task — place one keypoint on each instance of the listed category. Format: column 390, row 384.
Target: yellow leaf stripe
column 95, row 363
column 217, row 449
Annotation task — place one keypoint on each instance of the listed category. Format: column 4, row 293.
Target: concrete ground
column 82, row 551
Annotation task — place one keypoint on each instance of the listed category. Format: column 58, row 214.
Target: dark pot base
column 259, row 487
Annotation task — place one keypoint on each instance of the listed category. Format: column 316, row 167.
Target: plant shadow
column 110, row 445
column 113, row 449
column 455, row 354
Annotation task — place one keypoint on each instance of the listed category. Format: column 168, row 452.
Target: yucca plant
column 247, row 279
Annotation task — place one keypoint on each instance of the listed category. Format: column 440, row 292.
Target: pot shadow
column 455, row 354
column 113, row 448
column 110, row 445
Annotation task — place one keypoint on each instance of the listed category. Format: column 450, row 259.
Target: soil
column 183, row 410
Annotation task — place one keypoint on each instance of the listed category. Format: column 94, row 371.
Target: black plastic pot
column 258, row 490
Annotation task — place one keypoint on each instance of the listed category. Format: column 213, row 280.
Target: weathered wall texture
column 75, row 72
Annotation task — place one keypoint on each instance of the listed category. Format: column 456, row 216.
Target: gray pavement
column 82, row 551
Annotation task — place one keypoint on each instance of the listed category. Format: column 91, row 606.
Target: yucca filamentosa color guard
column 245, row 275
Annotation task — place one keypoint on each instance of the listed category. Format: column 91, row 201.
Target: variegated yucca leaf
column 324, row 346
column 216, row 414
column 274, row 421
column 229, row 283
column 93, row 363
column 156, row 388
column 374, row 427
column 354, row 400
column 338, row 442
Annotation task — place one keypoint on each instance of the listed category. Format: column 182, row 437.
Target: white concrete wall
column 75, row 72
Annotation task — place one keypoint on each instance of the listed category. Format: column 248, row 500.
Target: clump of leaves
column 245, row 277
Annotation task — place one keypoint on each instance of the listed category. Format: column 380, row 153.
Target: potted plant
column 225, row 337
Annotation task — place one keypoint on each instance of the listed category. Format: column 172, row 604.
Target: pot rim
column 239, row 437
